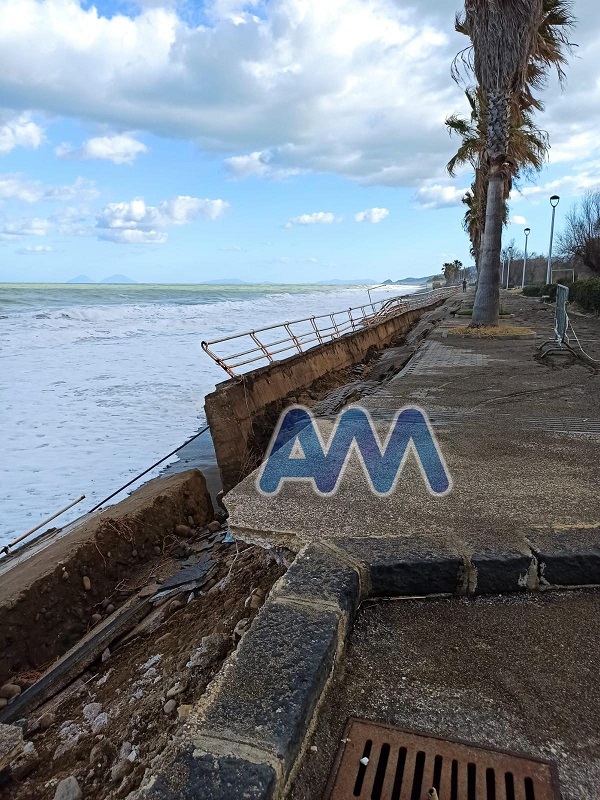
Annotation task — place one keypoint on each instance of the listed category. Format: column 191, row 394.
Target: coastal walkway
column 419, row 611
column 520, row 439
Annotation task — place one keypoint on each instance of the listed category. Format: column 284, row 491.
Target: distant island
column 111, row 279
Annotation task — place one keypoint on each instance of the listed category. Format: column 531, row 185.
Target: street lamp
column 510, row 255
column 527, row 232
column 554, row 201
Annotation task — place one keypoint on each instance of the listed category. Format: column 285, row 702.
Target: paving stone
column 318, row 574
column 202, row 776
column 569, row 557
column 407, row 566
column 506, row 570
column 268, row 696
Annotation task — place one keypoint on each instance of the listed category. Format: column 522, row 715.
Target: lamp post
column 510, row 255
column 554, row 201
column 527, row 232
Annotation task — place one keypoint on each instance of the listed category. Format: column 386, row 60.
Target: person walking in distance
column 464, row 284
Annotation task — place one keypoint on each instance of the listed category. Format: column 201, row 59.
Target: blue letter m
column 298, row 453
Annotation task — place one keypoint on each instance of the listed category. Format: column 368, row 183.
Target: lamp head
column 527, row 231
column 554, row 200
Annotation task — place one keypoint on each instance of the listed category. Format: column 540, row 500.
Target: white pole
column 527, row 232
column 510, row 252
column 554, row 200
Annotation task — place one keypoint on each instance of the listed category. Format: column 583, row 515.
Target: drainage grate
column 378, row 762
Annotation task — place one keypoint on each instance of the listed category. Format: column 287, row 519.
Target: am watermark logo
column 298, row 452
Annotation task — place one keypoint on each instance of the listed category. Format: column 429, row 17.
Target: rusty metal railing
column 286, row 338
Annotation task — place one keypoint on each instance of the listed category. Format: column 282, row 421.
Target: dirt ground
column 123, row 711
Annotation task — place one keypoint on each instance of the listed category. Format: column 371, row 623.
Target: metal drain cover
column 379, row 762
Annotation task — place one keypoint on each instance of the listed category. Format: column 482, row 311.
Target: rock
column 156, row 550
column 183, row 530
column 25, row 763
column 170, row 706
column 212, row 648
column 256, row 601
column 46, row 720
column 10, row 690
column 95, row 619
column 105, row 655
column 3, row 702
column 183, row 712
column 191, row 521
column 241, row 628
column 214, row 526
column 110, row 608
column 259, row 592
column 175, row 604
column 21, row 723
column 134, row 553
column 228, row 604
column 120, row 770
column 209, row 584
column 178, row 688
column 105, row 603
column 87, row 585
column 65, row 576
column 11, row 744
column 221, row 515
column 102, row 753
column 68, row 789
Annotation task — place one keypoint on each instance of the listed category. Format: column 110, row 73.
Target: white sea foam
column 97, row 383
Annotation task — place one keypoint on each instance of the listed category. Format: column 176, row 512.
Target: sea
column 97, row 381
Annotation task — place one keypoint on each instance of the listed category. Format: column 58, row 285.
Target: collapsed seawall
column 242, row 411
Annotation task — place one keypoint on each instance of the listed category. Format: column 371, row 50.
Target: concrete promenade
column 520, row 439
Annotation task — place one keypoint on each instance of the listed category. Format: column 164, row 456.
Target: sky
column 276, row 140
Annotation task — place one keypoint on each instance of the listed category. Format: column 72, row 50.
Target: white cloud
column 517, row 219
column 137, row 223
column 17, row 187
column 438, row 196
column 316, row 218
column 35, row 250
column 23, row 227
column 246, row 85
column 120, row 149
column 257, row 165
column 18, row 130
column 373, row 215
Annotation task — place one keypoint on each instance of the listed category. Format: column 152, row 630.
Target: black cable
column 141, row 475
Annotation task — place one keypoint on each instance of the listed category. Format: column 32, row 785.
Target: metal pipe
column 41, row 525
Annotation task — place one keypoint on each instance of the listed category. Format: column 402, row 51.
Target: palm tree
column 514, row 42
column 527, row 152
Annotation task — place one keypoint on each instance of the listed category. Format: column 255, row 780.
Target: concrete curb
column 254, row 728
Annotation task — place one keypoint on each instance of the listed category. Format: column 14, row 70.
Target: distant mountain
column 416, row 281
column 226, row 281
column 117, row 279
column 81, row 279
column 355, row 282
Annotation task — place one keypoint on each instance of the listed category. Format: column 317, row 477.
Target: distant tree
column 581, row 236
column 451, row 270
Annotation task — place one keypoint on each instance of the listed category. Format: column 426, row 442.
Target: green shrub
column 586, row 294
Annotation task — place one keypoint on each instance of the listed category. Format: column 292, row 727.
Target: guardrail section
column 275, row 342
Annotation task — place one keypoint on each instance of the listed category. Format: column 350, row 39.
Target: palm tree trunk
column 486, row 308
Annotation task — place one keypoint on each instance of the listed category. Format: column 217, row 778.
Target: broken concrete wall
column 45, row 603
column 242, row 411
